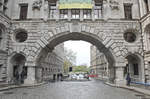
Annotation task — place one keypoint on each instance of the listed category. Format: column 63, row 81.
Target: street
column 70, row 90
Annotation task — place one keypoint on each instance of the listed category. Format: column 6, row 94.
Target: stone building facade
column 34, row 28
column 137, row 64
column 99, row 64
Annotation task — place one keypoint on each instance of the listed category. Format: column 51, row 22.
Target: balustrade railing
column 75, row 14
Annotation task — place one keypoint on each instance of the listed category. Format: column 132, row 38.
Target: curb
column 139, row 90
column 21, row 86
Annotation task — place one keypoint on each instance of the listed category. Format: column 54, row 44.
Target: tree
column 70, row 55
column 81, row 68
column 70, row 59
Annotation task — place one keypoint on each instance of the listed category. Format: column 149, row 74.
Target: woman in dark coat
column 128, row 79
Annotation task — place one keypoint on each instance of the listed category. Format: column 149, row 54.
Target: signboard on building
column 75, row 4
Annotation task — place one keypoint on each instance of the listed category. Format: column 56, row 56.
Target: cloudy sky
column 82, row 49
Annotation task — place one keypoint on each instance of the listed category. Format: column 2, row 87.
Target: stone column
column 119, row 79
column 81, row 14
column 106, row 10
column 69, row 14
column 93, row 13
column 30, row 75
column 57, row 11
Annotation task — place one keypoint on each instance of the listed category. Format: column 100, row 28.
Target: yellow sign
column 75, row 4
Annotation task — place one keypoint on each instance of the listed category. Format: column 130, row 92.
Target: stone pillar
column 93, row 13
column 81, row 14
column 106, row 10
column 30, row 75
column 57, row 11
column 69, row 15
column 119, row 79
column 45, row 10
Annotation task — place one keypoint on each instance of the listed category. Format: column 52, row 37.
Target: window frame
column 128, row 11
column 22, row 16
column 146, row 6
column 75, row 14
column 63, row 13
column 52, row 10
column 87, row 13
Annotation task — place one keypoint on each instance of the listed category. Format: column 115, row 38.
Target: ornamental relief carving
column 114, row 5
column 37, row 4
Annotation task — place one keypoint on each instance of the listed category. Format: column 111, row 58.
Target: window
column 128, row 11
column 136, row 70
column 0, row 5
column 97, row 13
column 4, row 9
column 146, row 5
column 23, row 11
column 21, row 36
column 87, row 13
column 52, row 10
column 75, row 13
column 129, row 37
column 5, row 1
column 0, row 34
column 63, row 14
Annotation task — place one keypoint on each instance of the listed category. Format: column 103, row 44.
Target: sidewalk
column 7, row 87
column 133, row 88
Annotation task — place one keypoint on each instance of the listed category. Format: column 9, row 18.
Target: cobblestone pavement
column 71, row 90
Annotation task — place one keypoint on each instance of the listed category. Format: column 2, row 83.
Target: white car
column 74, row 76
column 81, row 76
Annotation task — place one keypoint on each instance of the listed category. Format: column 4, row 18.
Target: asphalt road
column 70, row 90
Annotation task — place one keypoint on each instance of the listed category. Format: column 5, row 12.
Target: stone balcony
column 79, row 14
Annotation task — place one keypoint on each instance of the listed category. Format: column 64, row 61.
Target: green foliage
column 67, row 64
column 80, row 69
column 70, row 55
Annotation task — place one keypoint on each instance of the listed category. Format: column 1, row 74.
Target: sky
column 82, row 50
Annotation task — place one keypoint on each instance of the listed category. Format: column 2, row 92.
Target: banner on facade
column 75, row 4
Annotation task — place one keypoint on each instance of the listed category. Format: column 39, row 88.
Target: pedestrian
column 22, row 76
column 54, row 76
column 16, row 77
column 58, row 77
column 128, row 79
column 61, row 77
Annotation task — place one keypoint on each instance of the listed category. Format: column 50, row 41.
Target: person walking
column 61, row 77
column 128, row 79
column 22, row 76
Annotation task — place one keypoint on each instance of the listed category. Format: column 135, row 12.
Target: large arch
column 104, row 44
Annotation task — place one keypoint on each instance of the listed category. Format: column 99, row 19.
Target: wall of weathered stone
column 4, row 46
column 99, row 61
column 109, row 31
column 51, row 64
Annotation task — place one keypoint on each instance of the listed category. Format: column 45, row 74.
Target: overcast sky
column 82, row 49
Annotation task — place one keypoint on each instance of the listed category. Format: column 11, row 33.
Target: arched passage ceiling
column 91, row 38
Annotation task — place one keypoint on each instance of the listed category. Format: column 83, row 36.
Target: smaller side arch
column 16, row 69
column 135, row 67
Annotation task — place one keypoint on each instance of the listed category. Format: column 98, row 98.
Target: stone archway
column 104, row 43
column 16, row 68
column 135, row 67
